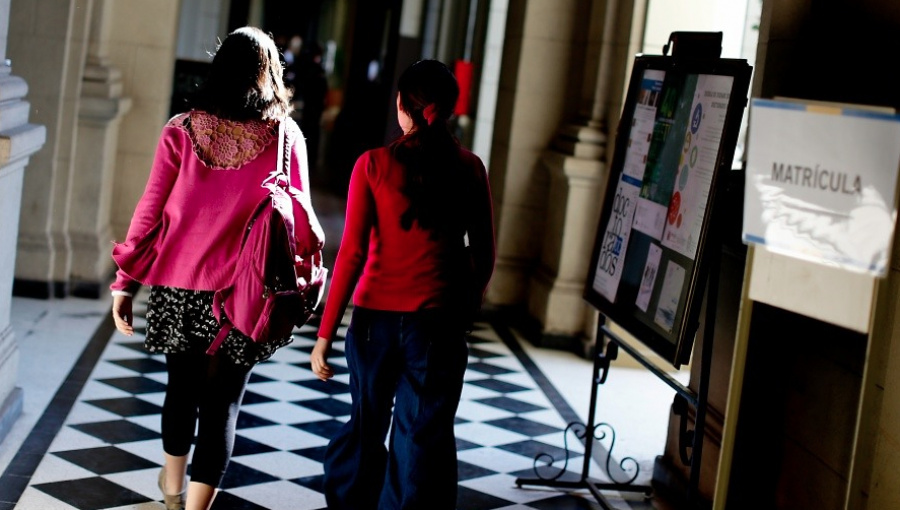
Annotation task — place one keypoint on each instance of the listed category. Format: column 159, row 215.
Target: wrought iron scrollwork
column 581, row 432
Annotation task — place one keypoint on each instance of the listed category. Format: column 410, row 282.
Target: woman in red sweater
column 418, row 247
column 205, row 182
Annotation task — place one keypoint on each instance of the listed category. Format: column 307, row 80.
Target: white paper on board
column 670, row 296
column 648, row 279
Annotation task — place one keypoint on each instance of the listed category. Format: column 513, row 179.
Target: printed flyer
column 670, row 296
column 611, row 260
column 648, row 279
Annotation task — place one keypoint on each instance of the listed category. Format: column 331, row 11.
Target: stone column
column 65, row 189
column 51, row 36
column 540, row 80
column 142, row 39
column 18, row 141
column 577, row 165
column 100, row 109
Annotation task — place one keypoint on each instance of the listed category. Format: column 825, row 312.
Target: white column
column 490, row 80
column 18, row 141
column 100, row 110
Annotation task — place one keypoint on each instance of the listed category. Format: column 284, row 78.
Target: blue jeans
column 415, row 362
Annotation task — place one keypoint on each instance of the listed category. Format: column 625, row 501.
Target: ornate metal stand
column 688, row 439
column 590, row 433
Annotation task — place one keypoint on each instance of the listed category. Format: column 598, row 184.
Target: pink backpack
column 279, row 277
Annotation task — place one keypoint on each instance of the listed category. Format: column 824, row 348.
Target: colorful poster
column 614, row 243
column 673, row 118
column 669, row 296
column 641, row 133
column 697, row 164
column 648, row 279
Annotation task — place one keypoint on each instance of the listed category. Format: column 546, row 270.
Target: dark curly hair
column 245, row 81
column 429, row 152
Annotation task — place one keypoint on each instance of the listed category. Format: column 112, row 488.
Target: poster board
column 676, row 135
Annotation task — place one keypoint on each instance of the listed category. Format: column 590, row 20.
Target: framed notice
column 677, row 134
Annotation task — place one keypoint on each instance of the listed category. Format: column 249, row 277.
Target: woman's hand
column 319, row 359
column 121, row 312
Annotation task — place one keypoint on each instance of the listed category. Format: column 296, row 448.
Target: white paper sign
column 821, row 183
column 614, row 244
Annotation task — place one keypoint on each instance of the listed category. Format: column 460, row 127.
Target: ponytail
column 430, row 152
column 430, row 157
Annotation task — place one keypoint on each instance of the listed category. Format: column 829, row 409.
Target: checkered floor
column 107, row 451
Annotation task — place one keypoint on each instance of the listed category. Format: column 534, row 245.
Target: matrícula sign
column 821, row 182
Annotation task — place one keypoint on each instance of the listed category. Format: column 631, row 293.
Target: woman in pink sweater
column 183, row 242
column 411, row 209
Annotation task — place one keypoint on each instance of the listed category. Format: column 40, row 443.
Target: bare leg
column 200, row 496
column 176, row 471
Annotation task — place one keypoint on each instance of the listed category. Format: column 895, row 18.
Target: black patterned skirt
column 180, row 320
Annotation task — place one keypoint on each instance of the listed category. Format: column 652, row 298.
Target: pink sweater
column 203, row 186
column 394, row 269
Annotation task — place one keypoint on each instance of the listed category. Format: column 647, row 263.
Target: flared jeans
column 406, row 377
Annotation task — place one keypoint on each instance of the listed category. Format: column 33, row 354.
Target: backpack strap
column 223, row 332
column 283, row 165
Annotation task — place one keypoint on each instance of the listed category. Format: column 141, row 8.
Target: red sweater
column 393, row 269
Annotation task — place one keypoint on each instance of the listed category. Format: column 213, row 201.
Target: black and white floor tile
column 97, row 446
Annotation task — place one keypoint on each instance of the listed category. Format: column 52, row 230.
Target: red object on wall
column 463, row 71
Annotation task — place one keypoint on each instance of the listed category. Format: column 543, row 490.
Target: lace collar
column 224, row 144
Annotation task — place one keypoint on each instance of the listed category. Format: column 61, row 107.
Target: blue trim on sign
column 847, row 111
column 631, row 180
column 891, row 117
column 769, row 103
column 749, row 238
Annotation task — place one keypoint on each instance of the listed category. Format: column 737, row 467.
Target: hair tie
column 430, row 113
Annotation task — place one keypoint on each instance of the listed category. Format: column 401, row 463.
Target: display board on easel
column 676, row 136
